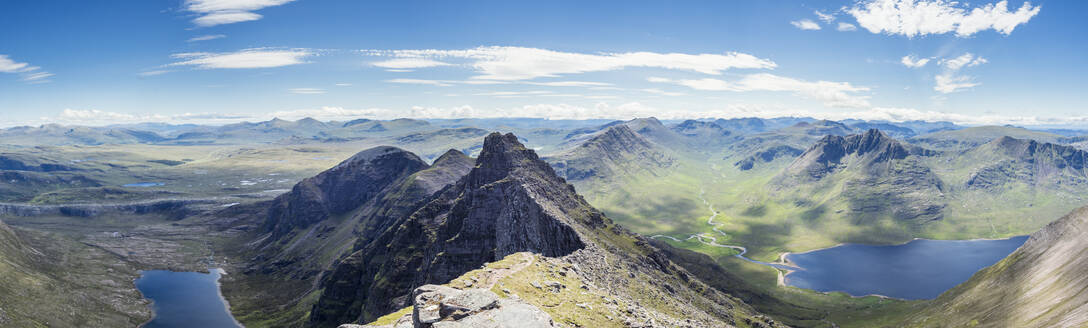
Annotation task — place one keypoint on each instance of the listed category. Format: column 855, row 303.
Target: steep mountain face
column 872, row 151
column 1030, row 162
column 1041, row 284
column 879, row 176
column 616, row 151
column 340, row 189
column 513, row 202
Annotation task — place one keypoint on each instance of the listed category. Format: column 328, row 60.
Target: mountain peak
column 340, row 189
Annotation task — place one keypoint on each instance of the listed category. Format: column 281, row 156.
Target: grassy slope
column 51, row 281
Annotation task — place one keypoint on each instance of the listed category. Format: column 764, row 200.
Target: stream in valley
column 920, row 269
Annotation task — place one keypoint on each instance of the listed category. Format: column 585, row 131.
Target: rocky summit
column 511, row 201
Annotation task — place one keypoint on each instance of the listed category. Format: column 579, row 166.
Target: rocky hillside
column 616, row 151
column 339, row 189
column 1041, row 284
column 879, row 176
column 510, row 202
column 297, row 237
column 1027, row 161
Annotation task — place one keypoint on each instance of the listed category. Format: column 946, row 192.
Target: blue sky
column 218, row 61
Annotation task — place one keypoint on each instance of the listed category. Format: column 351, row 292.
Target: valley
column 294, row 236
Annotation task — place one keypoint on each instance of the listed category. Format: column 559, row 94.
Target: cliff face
column 872, row 149
column 1041, row 284
column 511, row 201
column 339, row 189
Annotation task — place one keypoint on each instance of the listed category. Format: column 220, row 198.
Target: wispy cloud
column 248, row 58
column 307, row 91
column 519, row 63
column 826, row 18
column 218, row 12
column 965, row 60
column 806, row 24
column 950, row 80
column 343, row 84
column 832, row 94
column 206, row 37
column 408, row 63
column 439, row 83
column 913, row 61
column 27, row 72
column 153, row 73
column 846, row 27
column 912, row 18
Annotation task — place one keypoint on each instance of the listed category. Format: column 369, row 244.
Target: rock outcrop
column 444, row 307
column 1041, row 284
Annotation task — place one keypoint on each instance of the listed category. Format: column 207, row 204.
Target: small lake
column 185, row 299
column 920, row 269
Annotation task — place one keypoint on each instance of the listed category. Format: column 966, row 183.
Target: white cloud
column 832, row 94
column 519, row 63
column 206, row 37
column 912, row 18
column 218, row 12
column 949, row 82
column 343, row 84
column 846, row 27
column 10, row 66
column 913, row 61
column 36, row 76
column 965, row 60
column 405, row 63
column 153, row 73
column 31, row 74
column 827, row 18
column 247, row 58
column 806, row 24
column 307, row 91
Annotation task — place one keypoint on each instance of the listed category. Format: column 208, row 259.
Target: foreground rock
column 444, row 307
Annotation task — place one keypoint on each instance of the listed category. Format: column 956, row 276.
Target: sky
column 223, row 61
